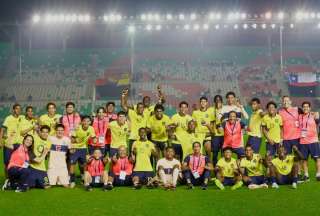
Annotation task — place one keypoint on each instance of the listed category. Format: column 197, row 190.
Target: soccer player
column 233, row 135
column 227, row 171
column 187, row 139
column 233, row 104
column 38, row 177
column 309, row 141
column 204, row 118
column 158, row 124
column 57, row 165
column 100, row 125
column 29, row 124
column 180, row 124
column 110, row 115
column 79, row 143
column 252, row 169
column 290, row 120
column 254, row 129
column 95, row 174
column 11, row 127
column 121, row 169
column 142, row 150
column 271, row 127
column 148, row 108
column 18, row 167
column 284, row 168
column 119, row 132
column 196, row 168
column 217, row 140
column 71, row 120
column 136, row 117
column 51, row 118
column 168, row 169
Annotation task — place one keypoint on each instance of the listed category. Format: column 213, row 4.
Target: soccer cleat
column 137, row 186
column 294, row 185
column 264, row 185
column 237, row 185
column 6, row 185
column 189, row 186
column 253, row 186
column 88, row 188
column 20, row 190
column 275, row 185
column 204, row 186
column 219, row 184
column 108, row 187
column 303, row 179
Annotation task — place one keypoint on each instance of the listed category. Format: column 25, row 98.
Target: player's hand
column 125, row 91
column 72, row 150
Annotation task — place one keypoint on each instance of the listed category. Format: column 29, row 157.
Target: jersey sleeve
column 187, row 159
column 5, row 123
column 263, row 122
column 242, row 164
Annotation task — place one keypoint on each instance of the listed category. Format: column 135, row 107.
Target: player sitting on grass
column 227, row 171
column 121, row 168
column 196, row 168
column 95, row 174
column 284, row 168
column 168, row 169
column 142, row 150
column 251, row 168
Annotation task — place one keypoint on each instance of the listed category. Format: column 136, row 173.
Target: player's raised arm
column 161, row 96
column 124, row 100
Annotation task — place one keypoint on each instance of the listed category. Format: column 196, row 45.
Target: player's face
column 249, row 152
column 272, row 109
column 146, row 101
column 170, row 154
column 122, row 152
column 86, row 123
column 52, row 109
column 203, row 103
column 192, row 125
column 255, row 106
column 143, row 134
column 232, row 117
column 227, row 154
column 44, row 133
column 100, row 113
column 17, row 110
column 231, row 99
column 121, row 119
column 306, row 108
column 97, row 154
column 184, row 109
column 159, row 113
column 60, row 132
column 140, row 109
column 70, row 109
column 29, row 113
column 110, row 108
column 286, row 102
column 28, row 141
column 218, row 102
column 197, row 148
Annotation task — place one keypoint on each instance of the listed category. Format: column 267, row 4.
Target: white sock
column 163, row 176
column 306, row 174
column 175, row 176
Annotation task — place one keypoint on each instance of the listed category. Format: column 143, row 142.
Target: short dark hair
column 69, row 103
column 59, row 126
column 169, row 147
column 203, row 98
column 158, row 106
column 110, row 103
column 16, row 105
column 121, row 113
column 100, row 108
column 43, row 127
column 230, row 93
column 232, row 111
column 51, row 103
column 271, row 103
column 29, row 107
column 306, row 102
column 196, row 142
column 183, row 102
column 257, row 100
column 227, row 148
column 142, row 128
column 85, row 117
column 140, row 104
column 216, row 97
column 248, row 146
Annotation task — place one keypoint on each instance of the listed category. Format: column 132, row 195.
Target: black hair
column 59, row 126
column 51, row 103
column 43, row 127
column 230, row 93
column 100, row 108
column 183, row 102
column 85, row 117
column 169, row 147
column 193, row 144
column 16, row 105
column 203, row 98
column 70, row 104
column 232, row 111
column 227, row 148
column 257, row 100
column 158, row 106
column 25, row 137
column 271, row 103
column 306, row 102
column 110, row 103
column 216, row 97
column 121, row 113
column 29, row 107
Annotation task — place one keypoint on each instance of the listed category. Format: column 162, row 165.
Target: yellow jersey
column 228, row 167
column 143, row 150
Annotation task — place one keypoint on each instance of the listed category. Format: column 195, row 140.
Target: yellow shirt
column 228, row 168
column 182, row 122
column 13, row 126
column 217, row 114
column 148, row 111
column 284, row 167
column 159, row 128
column 82, row 136
column 203, row 116
column 50, row 121
column 255, row 124
column 27, row 124
column 136, row 122
column 253, row 167
column 143, row 151
column 273, row 125
column 187, row 139
column 38, row 148
column 118, row 134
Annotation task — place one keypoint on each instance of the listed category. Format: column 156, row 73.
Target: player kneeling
column 227, row 172
column 168, row 169
column 284, row 168
column 196, row 168
column 95, row 175
column 121, row 169
column 251, row 168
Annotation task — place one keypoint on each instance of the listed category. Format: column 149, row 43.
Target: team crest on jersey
column 147, row 145
column 40, row 148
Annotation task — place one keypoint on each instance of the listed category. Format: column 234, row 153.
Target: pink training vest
column 122, row 164
column 290, row 121
column 233, row 135
column 308, row 127
column 70, row 121
column 197, row 164
column 110, row 117
column 100, row 128
column 95, row 167
column 19, row 157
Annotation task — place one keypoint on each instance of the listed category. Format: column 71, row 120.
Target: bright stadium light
column 318, row 15
column 181, row 17
column 217, row 26
column 149, row 27
column 268, row 15
column 48, row 18
column 131, row 29
column 263, row 26
column 196, row 27
column 245, row 26
column 61, row 18
column 158, row 27
column 254, row 25
column 236, row 26
column 273, row 26
column 169, row 17
column 150, row 16
column 186, row 27
column 318, row 25
column 312, row 15
column 193, row 16
column 80, row 18
column 87, row 18
column 143, row 17
column 156, row 17
column 299, row 15
column 243, row 16
column 281, row 15
column 205, row 26
column 292, row 25
column 36, row 18
column 212, row 16
column 73, row 18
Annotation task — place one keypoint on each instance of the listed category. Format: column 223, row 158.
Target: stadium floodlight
column 318, row 15
column 318, row 25
column 131, row 29
column 186, row 27
column 281, row 15
column 263, row 26
column 61, row 18
column 268, row 15
column 236, row 26
column 292, row 25
column 254, row 25
column 87, row 18
column 156, row 17
column 273, row 26
column 118, row 17
column 36, row 18
column 245, row 26
column 243, row 16
column 193, row 16
column 217, row 26
column 212, row 16
column 143, row 17
column 150, row 16
column 299, row 15
column 68, row 18
column 149, row 27
column 205, row 26
column 80, row 18
column 312, row 15
column 158, row 27
column 169, row 17
column 181, row 16
column 73, row 18
column 196, row 27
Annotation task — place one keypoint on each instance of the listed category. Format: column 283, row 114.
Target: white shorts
column 58, row 176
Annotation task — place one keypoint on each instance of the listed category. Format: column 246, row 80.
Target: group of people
column 141, row 145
